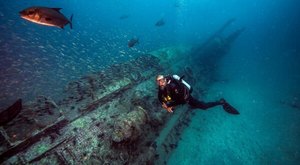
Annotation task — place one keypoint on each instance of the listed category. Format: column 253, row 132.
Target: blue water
column 262, row 68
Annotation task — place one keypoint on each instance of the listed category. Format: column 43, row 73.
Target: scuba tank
column 180, row 79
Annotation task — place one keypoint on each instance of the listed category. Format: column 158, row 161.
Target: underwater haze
column 260, row 75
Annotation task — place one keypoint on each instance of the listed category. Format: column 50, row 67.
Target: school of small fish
column 36, row 63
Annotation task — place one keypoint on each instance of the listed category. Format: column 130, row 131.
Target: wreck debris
column 11, row 112
column 129, row 126
column 89, row 112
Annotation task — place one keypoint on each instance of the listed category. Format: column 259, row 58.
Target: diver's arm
column 164, row 104
column 159, row 96
column 169, row 109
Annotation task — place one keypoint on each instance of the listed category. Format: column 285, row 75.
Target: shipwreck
column 112, row 116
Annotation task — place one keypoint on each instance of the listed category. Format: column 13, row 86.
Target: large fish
column 46, row 16
column 132, row 42
column 160, row 22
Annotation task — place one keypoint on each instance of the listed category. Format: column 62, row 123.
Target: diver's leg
column 202, row 105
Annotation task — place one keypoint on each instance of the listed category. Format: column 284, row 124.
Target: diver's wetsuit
column 176, row 93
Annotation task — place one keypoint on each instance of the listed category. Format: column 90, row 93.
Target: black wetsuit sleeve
column 159, row 96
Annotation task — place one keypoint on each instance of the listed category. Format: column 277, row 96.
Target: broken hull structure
column 108, row 117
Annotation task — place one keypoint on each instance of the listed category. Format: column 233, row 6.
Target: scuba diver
column 173, row 91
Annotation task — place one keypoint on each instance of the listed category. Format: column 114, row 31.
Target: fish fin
column 71, row 20
column 57, row 9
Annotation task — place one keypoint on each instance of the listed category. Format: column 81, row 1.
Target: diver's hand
column 169, row 109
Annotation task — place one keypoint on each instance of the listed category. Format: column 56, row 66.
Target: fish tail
column 71, row 18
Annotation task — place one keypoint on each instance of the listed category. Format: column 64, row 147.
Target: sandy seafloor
column 268, row 129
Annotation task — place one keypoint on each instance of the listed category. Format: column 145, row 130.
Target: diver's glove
column 169, row 109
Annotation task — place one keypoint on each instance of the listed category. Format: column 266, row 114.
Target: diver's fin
column 230, row 109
